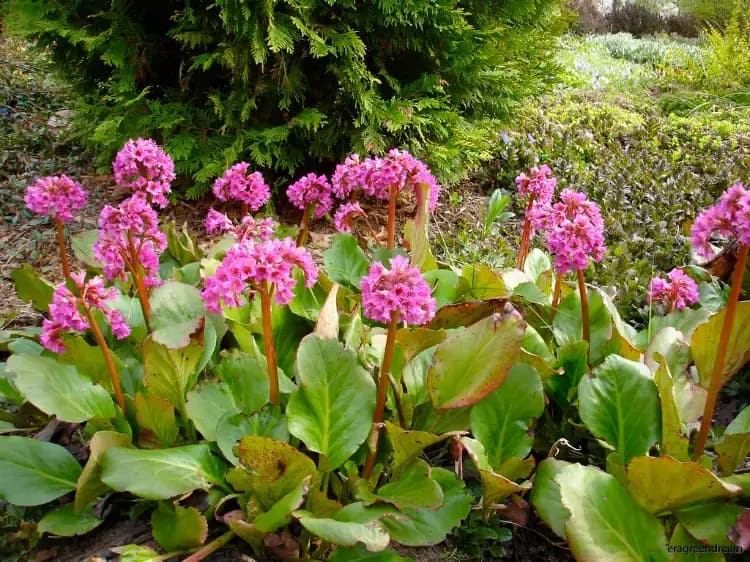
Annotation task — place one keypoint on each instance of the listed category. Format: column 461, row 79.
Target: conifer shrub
column 296, row 85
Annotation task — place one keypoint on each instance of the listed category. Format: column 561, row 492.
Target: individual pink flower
column 401, row 290
column 574, row 229
column 311, row 190
column 251, row 265
column 730, row 217
column 345, row 215
column 239, row 185
column 67, row 311
column 248, row 229
column 143, row 166
column 541, row 185
column 679, row 292
column 58, row 197
column 129, row 237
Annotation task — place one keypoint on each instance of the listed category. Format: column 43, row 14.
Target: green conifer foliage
column 298, row 84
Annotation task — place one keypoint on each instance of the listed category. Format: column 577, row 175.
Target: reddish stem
column 135, row 272
column 60, row 227
column 114, row 376
column 210, row 548
column 245, row 210
column 392, row 200
column 719, row 363
column 273, row 373
column 584, row 307
column 556, row 294
column 383, row 383
column 523, row 248
column 302, row 236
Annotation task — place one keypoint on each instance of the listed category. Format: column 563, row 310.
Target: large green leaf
column 280, row 514
column 171, row 373
column 605, row 522
column 160, row 474
column 414, row 487
column 65, row 521
column 407, row 445
column 177, row 528
column 270, row 469
column 687, row 548
column 663, row 484
column 60, row 390
column 573, row 359
column 82, row 244
column 157, row 426
column 465, row 313
column 35, row 472
column 425, row 526
column 607, row 406
column 89, row 360
column 735, row 443
column 711, row 522
column 545, row 495
column 90, row 485
column 471, row 363
column 331, row 411
column 496, row 486
column 360, row 554
column 674, row 442
column 247, row 378
column 32, row 288
column 705, row 343
column 308, row 301
column 207, row 403
column 345, row 262
column 416, row 236
column 345, row 533
column 502, row 420
column 685, row 321
column 481, row 283
column 177, row 312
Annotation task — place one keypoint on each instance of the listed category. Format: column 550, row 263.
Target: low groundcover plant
column 323, row 411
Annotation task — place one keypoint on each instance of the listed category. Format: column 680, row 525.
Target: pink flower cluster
column 376, row 176
column 311, row 190
column 574, row 229
column 401, row 290
column 345, row 215
column 237, row 184
column 143, row 166
column 269, row 261
column 65, row 311
column 541, row 185
column 248, row 229
column 678, row 292
column 729, row 217
column 56, row 196
column 129, row 236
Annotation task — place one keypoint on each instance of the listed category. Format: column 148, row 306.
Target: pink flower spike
column 249, row 229
column 239, row 185
column 133, row 218
column 345, row 215
column 254, row 264
column 541, row 184
column 311, row 190
column 400, row 170
column 574, row 229
column 679, row 292
column 55, row 196
column 66, row 314
column 143, row 166
column 217, row 222
column 348, row 177
column 730, row 217
column 401, row 290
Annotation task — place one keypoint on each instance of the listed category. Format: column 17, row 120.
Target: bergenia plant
column 69, row 312
column 574, row 231
column 58, row 197
column 130, row 242
column 676, row 292
column 538, row 190
column 312, row 195
column 144, row 167
column 400, row 294
column 264, row 267
column 237, row 184
column 730, row 217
